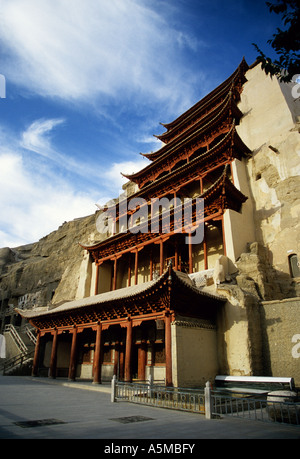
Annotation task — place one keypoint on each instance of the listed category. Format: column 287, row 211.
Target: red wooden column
column 35, row 365
column 176, row 256
column 161, row 257
column 97, row 357
column 142, row 360
column 129, row 270
column 168, row 350
column 190, row 254
column 136, row 262
column 121, row 363
column 115, row 274
column 201, row 185
column 97, row 279
column 116, row 359
column 72, row 365
column 151, row 265
column 128, row 352
column 53, row 360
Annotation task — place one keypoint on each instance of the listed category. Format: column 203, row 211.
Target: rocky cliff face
column 45, row 271
column 270, row 128
column 48, row 271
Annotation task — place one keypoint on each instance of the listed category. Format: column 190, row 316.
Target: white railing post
column 30, row 335
column 113, row 388
column 150, row 384
column 208, row 401
column 16, row 337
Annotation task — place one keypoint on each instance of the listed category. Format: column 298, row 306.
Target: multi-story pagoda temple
column 150, row 302
column 194, row 164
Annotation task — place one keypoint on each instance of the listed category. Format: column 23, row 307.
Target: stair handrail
column 17, row 360
column 11, row 361
column 9, row 328
column 30, row 335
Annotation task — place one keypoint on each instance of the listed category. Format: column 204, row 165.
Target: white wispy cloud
column 34, row 199
column 115, row 53
column 78, row 50
column 31, row 206
column 36, row 136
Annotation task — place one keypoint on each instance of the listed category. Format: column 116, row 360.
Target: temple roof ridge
column 153, row 156
column 164, row 136
column 242, row 67
column 223, row 182
column 232, row 133
column 122, row 294
column 176, row 145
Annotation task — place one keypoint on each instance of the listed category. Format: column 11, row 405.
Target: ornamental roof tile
column 181, row 279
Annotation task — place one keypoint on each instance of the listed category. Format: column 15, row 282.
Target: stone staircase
column 24, row 342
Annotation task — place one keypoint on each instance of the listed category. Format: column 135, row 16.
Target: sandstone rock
column 7, row 257
column 31, row 274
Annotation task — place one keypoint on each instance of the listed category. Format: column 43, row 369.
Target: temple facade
column 188, row 265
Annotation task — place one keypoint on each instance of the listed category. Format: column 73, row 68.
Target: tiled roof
column 119, row 294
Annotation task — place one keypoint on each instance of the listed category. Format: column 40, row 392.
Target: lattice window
column 159, row 354
column 107, row 354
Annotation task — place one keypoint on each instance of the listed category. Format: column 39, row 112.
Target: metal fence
column 20, row 364
column 206, row 401
column 255, row 408
column 161, row 396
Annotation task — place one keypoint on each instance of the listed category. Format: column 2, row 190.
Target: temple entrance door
column 119, row 361
column 134, row 361
column 118, row 339
column 139, row 355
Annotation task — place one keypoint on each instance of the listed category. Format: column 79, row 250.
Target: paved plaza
column 39, row 408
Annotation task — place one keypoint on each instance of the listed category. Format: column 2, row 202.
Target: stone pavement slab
column 82, row 411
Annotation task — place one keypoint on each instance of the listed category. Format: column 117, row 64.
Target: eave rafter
column 230, row 147
column 112, row 312
column 209, row 103
column 226, row 105
column 220, row 196
column 151, row 302
column 185, row 149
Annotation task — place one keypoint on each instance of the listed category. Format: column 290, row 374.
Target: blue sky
column 87, row 85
